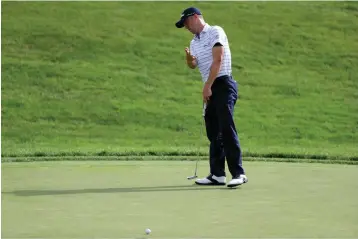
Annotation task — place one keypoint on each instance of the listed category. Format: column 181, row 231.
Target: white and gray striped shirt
column 201, row 47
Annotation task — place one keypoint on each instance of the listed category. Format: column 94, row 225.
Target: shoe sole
column 211, row 184
column 235, row 185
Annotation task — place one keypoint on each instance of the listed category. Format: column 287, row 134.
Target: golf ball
column 147, row 231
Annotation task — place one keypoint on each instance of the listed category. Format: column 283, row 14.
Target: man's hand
column 190, row 59
column 207, row 92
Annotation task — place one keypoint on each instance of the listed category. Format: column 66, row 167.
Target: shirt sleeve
column 217, row 36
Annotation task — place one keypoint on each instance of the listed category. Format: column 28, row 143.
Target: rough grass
column 94, row 77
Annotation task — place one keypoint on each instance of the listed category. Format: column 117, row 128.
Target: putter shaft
column 201, row 132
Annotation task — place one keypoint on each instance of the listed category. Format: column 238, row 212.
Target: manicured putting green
column 114, row 199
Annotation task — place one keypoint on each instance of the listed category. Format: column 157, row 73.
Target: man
column 209, row 51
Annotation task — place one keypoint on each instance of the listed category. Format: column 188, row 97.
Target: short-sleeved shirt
column 201, row 47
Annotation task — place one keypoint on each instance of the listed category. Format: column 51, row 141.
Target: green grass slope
column 95, row 77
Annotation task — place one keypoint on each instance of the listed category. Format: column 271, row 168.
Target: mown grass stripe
column 178, row 153
column 169, row 158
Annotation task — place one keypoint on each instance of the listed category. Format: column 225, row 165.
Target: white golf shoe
column 238, row 181
column 211, row 180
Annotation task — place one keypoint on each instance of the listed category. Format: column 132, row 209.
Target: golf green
column 115, row 199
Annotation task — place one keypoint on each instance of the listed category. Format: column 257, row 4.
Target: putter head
column 192, row 177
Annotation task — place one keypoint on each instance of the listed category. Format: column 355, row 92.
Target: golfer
column 209, row 51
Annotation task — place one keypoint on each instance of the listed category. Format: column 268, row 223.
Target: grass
column 179, row 157
column 92, row 77
column 121, row 199
column 101, row 120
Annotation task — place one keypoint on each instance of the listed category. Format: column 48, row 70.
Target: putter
column 194, row 176
column 197, row 160
column 196, row 169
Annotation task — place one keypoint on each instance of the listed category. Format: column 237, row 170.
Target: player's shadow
column 28, row 193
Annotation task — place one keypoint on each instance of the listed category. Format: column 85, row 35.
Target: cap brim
column 180, row 23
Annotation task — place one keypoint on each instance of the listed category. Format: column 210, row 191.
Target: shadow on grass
column 28, row 193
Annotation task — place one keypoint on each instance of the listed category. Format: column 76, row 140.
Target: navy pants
column 221, row 130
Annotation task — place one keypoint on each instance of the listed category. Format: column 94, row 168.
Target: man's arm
column 218, row 53
column 217, row 42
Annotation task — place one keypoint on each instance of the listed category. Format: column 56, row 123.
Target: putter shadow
column 29, row 193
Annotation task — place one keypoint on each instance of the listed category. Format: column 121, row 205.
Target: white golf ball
column 147, row 231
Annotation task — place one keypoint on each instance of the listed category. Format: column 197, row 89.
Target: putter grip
column 204, row 109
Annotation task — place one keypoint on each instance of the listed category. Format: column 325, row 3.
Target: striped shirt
column 201, row 47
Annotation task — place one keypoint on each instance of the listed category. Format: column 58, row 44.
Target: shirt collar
column 205, row 29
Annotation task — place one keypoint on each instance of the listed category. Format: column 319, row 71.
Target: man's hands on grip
column 207, row 93
column 190, row 59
